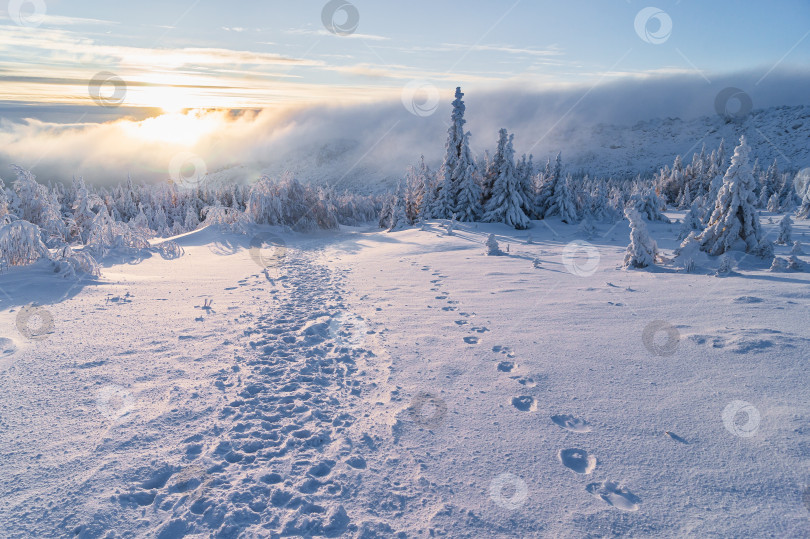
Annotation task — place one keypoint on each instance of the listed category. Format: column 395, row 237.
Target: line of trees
column 504, row 189
column 75, row 225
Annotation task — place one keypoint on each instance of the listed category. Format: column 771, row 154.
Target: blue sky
column 260, row 53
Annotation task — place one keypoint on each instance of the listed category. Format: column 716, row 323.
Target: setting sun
column 179, row 128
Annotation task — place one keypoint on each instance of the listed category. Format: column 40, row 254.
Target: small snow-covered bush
column 785, row 231
column 642, row 250
column 689, row 265
column 21, row 244
column 778, row 264
column 493, row 249
column 794, row 264
column 73, row 263
column 726, row 265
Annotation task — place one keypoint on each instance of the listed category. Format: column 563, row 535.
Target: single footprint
column 615, row 495
column 577, row 460
column 569, row 422
column 449, row 308
column 462, row 322
column 506, row 366
column 471, row 340
column 524, row 403
column 479, row 329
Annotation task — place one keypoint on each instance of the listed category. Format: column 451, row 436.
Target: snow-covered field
column 369, row 384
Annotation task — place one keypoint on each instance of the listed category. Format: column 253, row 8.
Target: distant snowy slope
column 780, row 133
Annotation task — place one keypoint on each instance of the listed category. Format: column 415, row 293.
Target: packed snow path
column 283, row 458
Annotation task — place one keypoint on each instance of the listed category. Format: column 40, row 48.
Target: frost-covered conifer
column 21, row 243
column 493, row 249
column 785, row 230
column 734, row 224
column 642, row 250
column 691, row 221
column 506, row 204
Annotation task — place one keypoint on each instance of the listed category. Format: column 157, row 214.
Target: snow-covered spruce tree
column 691, row 221
column 642, row 250
column 413, row 192
column 428, row 202
column 562, row 202
column 773, row 203
column 386, row 211
column 545, row 192
column 506, row 204
column 525, row 172
column 21, row 244
column 490, row 174
column 768, row 184
column 601, row 209
column 493, row 249
column 30, row 198
column 192, row 219
column 55, row 230
column 468, row 202
column 685, row 200
column 797, row 248
column 649, row 205
column 804, row 210
column 140, row 221
column 263, row 204
column 457, row 160
column 787, row 193
column 84, row 204
column 785, row 230
column 711, row 197
column 103, row 234
column 398, row 219
column 160, row 222
column 734, row 224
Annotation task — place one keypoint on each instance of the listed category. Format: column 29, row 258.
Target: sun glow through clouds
column 183, row 129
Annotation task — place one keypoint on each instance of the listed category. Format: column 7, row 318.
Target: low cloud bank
column 361, row 146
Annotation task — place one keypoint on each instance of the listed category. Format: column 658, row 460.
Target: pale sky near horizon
column 259, row 53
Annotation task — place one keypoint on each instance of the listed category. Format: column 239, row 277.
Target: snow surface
column 370, row 383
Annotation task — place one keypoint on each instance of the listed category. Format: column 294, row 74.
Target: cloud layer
column 370, row 143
